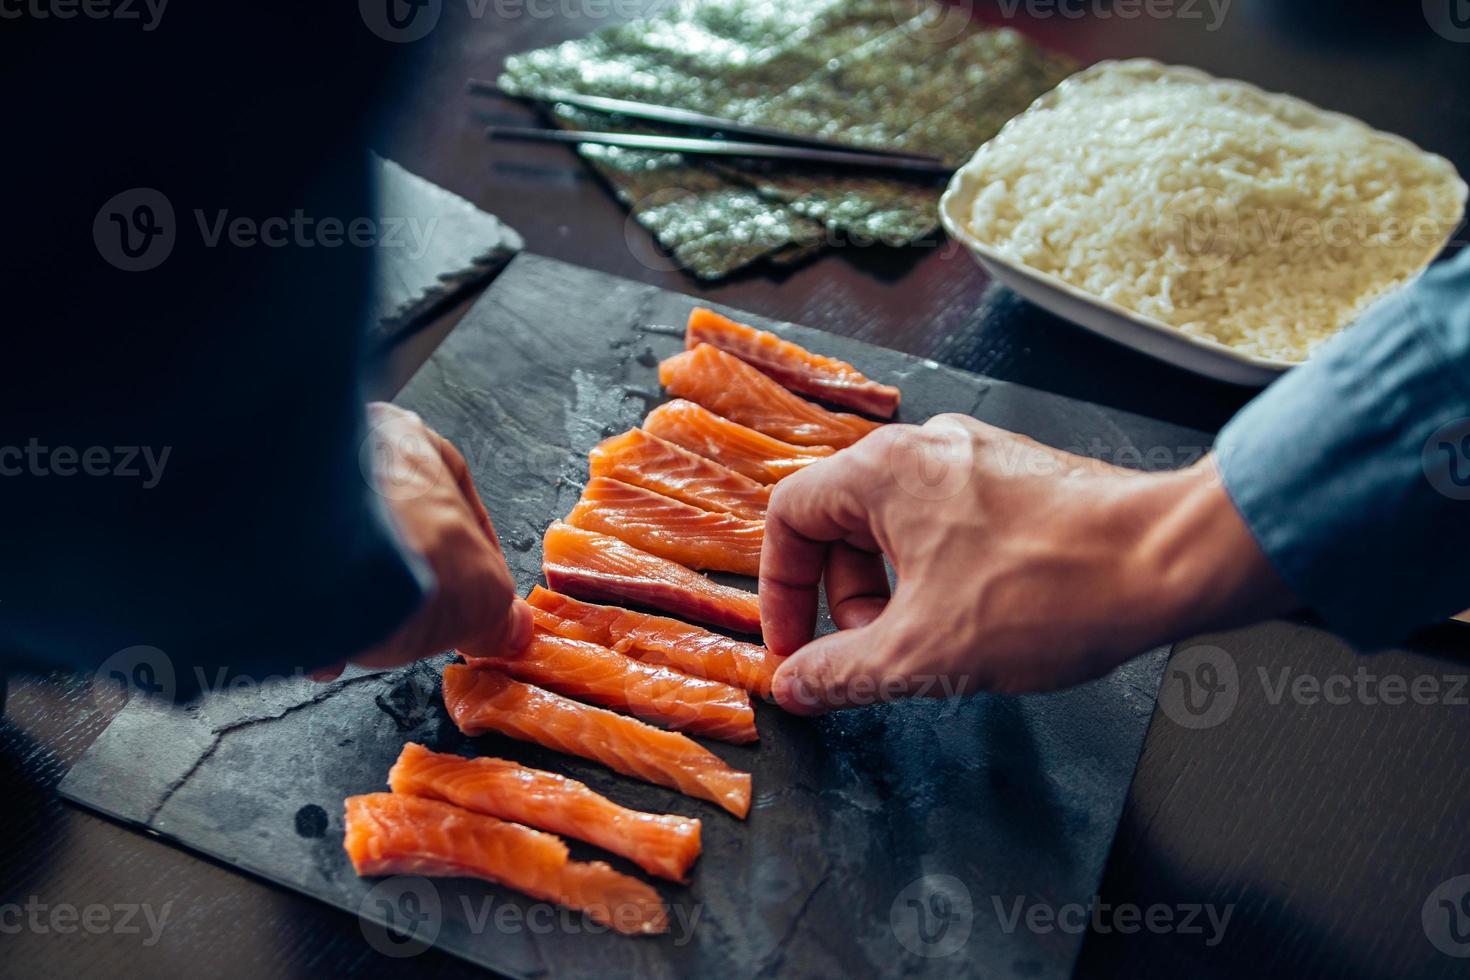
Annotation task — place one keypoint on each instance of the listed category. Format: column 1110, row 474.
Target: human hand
column 1019, row 567
column 439, row 515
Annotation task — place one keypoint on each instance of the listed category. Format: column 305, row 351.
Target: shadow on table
column 32, row 813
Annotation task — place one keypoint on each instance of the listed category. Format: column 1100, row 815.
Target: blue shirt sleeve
column 1353, row 470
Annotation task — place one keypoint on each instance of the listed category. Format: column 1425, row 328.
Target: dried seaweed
column 893, row 73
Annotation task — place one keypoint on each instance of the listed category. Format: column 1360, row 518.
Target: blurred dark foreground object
column 187, row 302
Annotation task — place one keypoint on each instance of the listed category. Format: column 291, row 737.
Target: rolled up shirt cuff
column 1353, row 470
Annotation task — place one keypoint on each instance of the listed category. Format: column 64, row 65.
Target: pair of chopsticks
column 761, row 142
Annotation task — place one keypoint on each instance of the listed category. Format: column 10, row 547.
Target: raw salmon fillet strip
column 645, row 460
column 591, row 672
column 754, row 454
column 661, row 844
column 481, row 699
column 659, row 640
column 599, row 566
column 727, row 386
column 792, row 365
column 670, row 528
column 389, row 834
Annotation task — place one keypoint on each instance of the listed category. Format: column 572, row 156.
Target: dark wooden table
column 1324, row 827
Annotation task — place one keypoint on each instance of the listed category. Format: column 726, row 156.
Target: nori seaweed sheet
column 911, row 74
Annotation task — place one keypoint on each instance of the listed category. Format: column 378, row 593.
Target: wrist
column 1194, row 564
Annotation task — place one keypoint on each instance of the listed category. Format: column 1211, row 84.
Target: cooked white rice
column 1254, row 220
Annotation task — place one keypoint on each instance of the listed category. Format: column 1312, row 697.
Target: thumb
column 840, row 670
column 507, row 635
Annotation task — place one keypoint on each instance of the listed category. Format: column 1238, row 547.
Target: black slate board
column 894, row 839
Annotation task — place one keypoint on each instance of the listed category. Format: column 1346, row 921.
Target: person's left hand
column 439, row 515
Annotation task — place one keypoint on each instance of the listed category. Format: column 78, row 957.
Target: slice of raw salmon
column 389, row 834
column 670, row 528
column 645, row 460
column 594, row 673
column 661, row 844
column 727, row 386
column 599, row 566
column 481, row 699
column 792, row 365
column 741, row 448
column 659, row 640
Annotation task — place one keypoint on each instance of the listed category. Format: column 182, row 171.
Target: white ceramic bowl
column 1143, row 333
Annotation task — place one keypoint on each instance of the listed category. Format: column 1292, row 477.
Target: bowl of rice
column 1213, row 225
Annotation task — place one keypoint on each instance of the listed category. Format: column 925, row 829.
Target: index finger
column 809, row 511
column 465, row 481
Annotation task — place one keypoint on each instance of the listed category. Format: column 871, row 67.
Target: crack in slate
column 772, row 960
column 218, row 736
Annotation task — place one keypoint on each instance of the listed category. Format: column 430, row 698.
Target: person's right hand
column 439, row 515
column 1019, row 567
